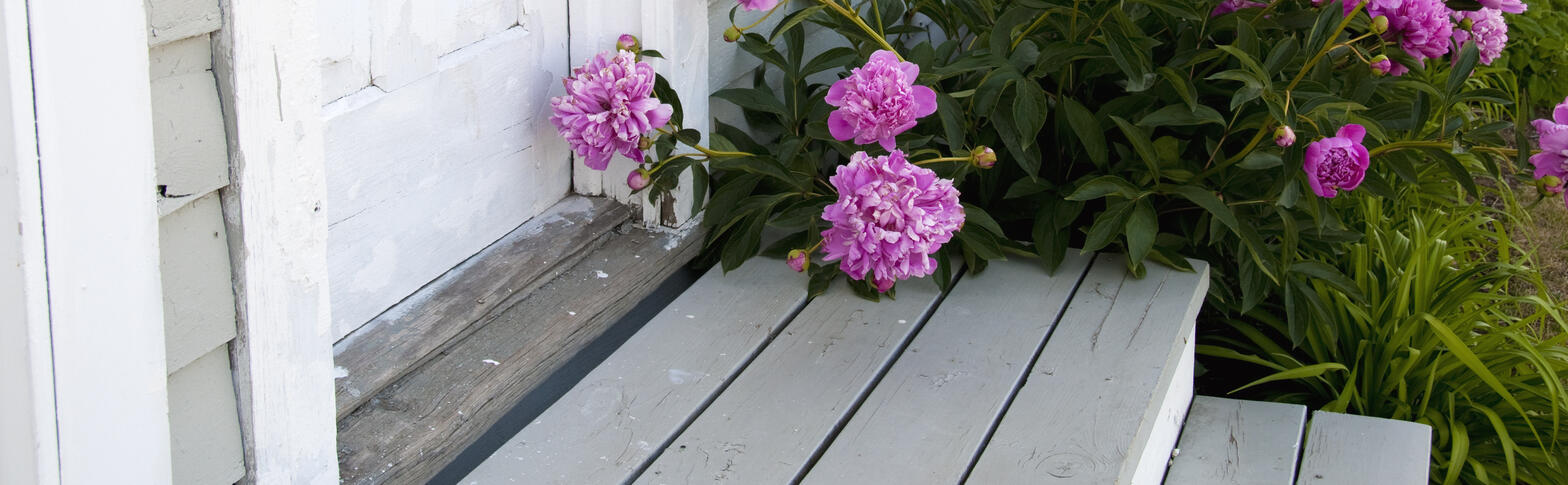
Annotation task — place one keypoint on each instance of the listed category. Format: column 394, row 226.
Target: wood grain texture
column 1092, row 399
column 468, row 296
column 204, row 421
column 411, row 430
column 928, row 417
column 779, row 412
column 172, row 20
column 198, row 285
column 1229, row 441
column 613, row 421
column 277, row 219
column 1345, row 449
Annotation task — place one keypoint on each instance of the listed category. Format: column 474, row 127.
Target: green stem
column 853, row 17
column 1400, row 145
column 711, row 153
column 1030, row 29
column 943, row 159
column 764, row 17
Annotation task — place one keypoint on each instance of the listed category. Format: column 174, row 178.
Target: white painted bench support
column 271, row 86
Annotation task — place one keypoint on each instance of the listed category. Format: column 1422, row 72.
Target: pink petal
column 1353, row 131
column 925, row 101
column 839, row 127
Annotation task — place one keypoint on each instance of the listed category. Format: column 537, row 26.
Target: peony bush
column 1256, row 135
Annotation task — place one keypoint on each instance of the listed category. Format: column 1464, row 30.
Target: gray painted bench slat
column 1091, row 402
column 1228, row 441
column 1344, row 449
column 607, row 427
column 772, row 420
column 938, row 402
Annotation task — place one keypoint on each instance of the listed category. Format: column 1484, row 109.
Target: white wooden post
column 95, row 147
column 28, row 446
column 265, row 60
column 679, row 30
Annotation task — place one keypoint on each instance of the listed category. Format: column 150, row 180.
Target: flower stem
column 854, row 17
column 711, row 153
column 1401, row 145
column 764, row 17
column 943, row 159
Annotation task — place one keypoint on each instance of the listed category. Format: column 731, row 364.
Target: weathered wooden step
column 1228, row 441
column 1345, row 449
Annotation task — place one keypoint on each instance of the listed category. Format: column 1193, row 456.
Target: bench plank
column 606, row 428
column 1348, row 449
column 939, row 401
column 786, row 405
column 1229, row 441
column 1094, row 397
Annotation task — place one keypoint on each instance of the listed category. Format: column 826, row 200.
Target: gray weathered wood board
column 413, row 428
column 468, row 296
column 1344, row 449
column 770, row 422
column 1228, row 441
column 1090, row 403
column 938, row 402
column 608, row 426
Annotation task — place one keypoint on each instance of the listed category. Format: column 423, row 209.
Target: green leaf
column 1461, row 351
column 752, row 98
column 794, row 19
column 1179, row 115
column 821, row 277
column 1029, row 111
column 1182, row 86
column 665, row 94
column 1141, row 229
column 977, row 216
column 1302, row 372
column 1260, row 160
column 1330, row 275
column 981, row 242
column 1102, row 186
column 699, row 187
column 837, row 57
column 1464, row 64
column 1107, row 226
column 1087, row 128
column 1025, row 187
column 1141, row 145
column 762, row 49
column 952, row 120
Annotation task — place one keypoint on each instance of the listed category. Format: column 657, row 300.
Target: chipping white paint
column 276, row 215
column 95, row 144
column 28, row 443
column 171, row 20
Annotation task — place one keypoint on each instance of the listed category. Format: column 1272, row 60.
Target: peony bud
column 983, row 157
column 1380, row 24
column 1381, row 65
column 1551, row 184
column 646, row 142
column 798, row 260
column 1466, row 24
column 732, row 34
column 637, row 179
column 1284, row 136
column 628, row 42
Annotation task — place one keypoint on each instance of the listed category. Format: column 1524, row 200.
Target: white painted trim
column 29, row 450
column 270, row 85
column 95, row 148
column 1158, row 451
column 668, row 27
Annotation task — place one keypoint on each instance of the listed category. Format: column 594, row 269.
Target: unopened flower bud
column 798, row 260
column 646, row 142
column 732, row 34
column 628, row 42
column 1466, row 24
column 983, row 157
column 1380, row 24
column 1381, row 65
column 1551, row 184
column 637, row 179
column 1284, row 136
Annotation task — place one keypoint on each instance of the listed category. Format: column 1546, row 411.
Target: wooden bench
column 1226, row 441
column 1015, row 376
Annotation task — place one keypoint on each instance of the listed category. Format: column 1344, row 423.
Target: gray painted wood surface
column 204, row 428
column 607, row 427
column 1228, row 441
column 412, row 429
column 1344, row 449
column 468, row 296
column 776, row 415
column 938, row 403
column 1091, row 401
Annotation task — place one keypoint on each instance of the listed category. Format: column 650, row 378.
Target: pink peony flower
column 1228, row 6
column 891, row 215
column 878, row 101
column 1337, row 163
column 1487, row 29
column 1510, row 6
column 758, row 4
column 1552, row 161
column 607, row 108
column 1422, row 27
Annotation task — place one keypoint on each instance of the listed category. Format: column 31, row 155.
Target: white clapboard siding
column 939, row 401
column 203, row 426
column 1121, row 339
column 172, row 20
column 29, row 452
column 345, row 47
column 198, row 291
column 631, row 405
column 190, row 55
column 188, row 137
column 1229, row 441
column 1345, row 449
column 788, row 403
column 95, row 149
column 409, row 36
column 423, row 177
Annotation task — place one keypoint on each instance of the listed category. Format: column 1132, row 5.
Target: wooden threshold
column 411, row 429
column 469, row 295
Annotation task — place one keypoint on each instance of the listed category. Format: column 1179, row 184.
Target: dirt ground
column 1548, row 236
